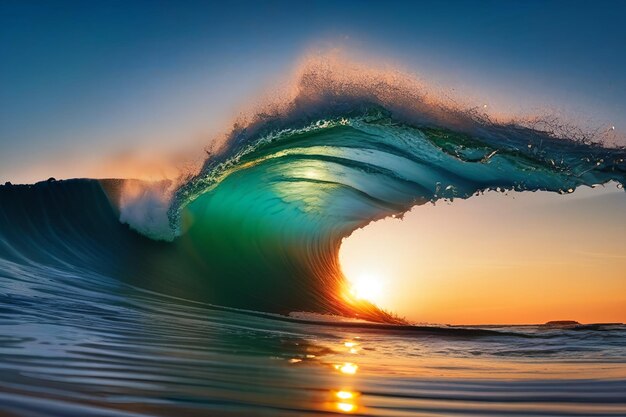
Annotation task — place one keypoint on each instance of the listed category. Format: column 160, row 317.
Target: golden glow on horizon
column 496, row 259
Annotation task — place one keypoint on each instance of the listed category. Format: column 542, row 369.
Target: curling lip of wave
column 331, row 88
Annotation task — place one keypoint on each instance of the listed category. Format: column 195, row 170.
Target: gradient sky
column 107, row 88
column 84, row 85
column 500, row 259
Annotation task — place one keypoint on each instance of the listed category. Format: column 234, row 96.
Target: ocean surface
column 222, row 294
column 103, row 348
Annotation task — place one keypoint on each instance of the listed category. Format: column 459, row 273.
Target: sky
column 499, row 259
column 122, row 89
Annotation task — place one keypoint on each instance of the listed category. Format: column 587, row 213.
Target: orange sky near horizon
column 496, row 259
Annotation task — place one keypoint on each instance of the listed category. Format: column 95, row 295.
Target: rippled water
column 104, row 348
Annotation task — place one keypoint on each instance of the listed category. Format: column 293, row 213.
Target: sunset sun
column 367, row 287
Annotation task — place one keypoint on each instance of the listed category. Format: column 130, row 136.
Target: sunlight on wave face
column 367, row 287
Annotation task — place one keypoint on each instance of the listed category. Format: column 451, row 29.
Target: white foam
column 144, row 206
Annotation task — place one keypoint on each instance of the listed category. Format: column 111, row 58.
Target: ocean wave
column 260, row 225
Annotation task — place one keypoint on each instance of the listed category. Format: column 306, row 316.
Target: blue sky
column 86, row 80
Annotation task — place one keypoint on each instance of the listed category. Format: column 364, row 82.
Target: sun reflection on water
column 340, row 397
column 352, row 347
column 344, row 395
column 347, row 368
column 346, row 400
column 346, row 407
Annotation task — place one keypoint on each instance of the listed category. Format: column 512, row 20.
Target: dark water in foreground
column 102, row 348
